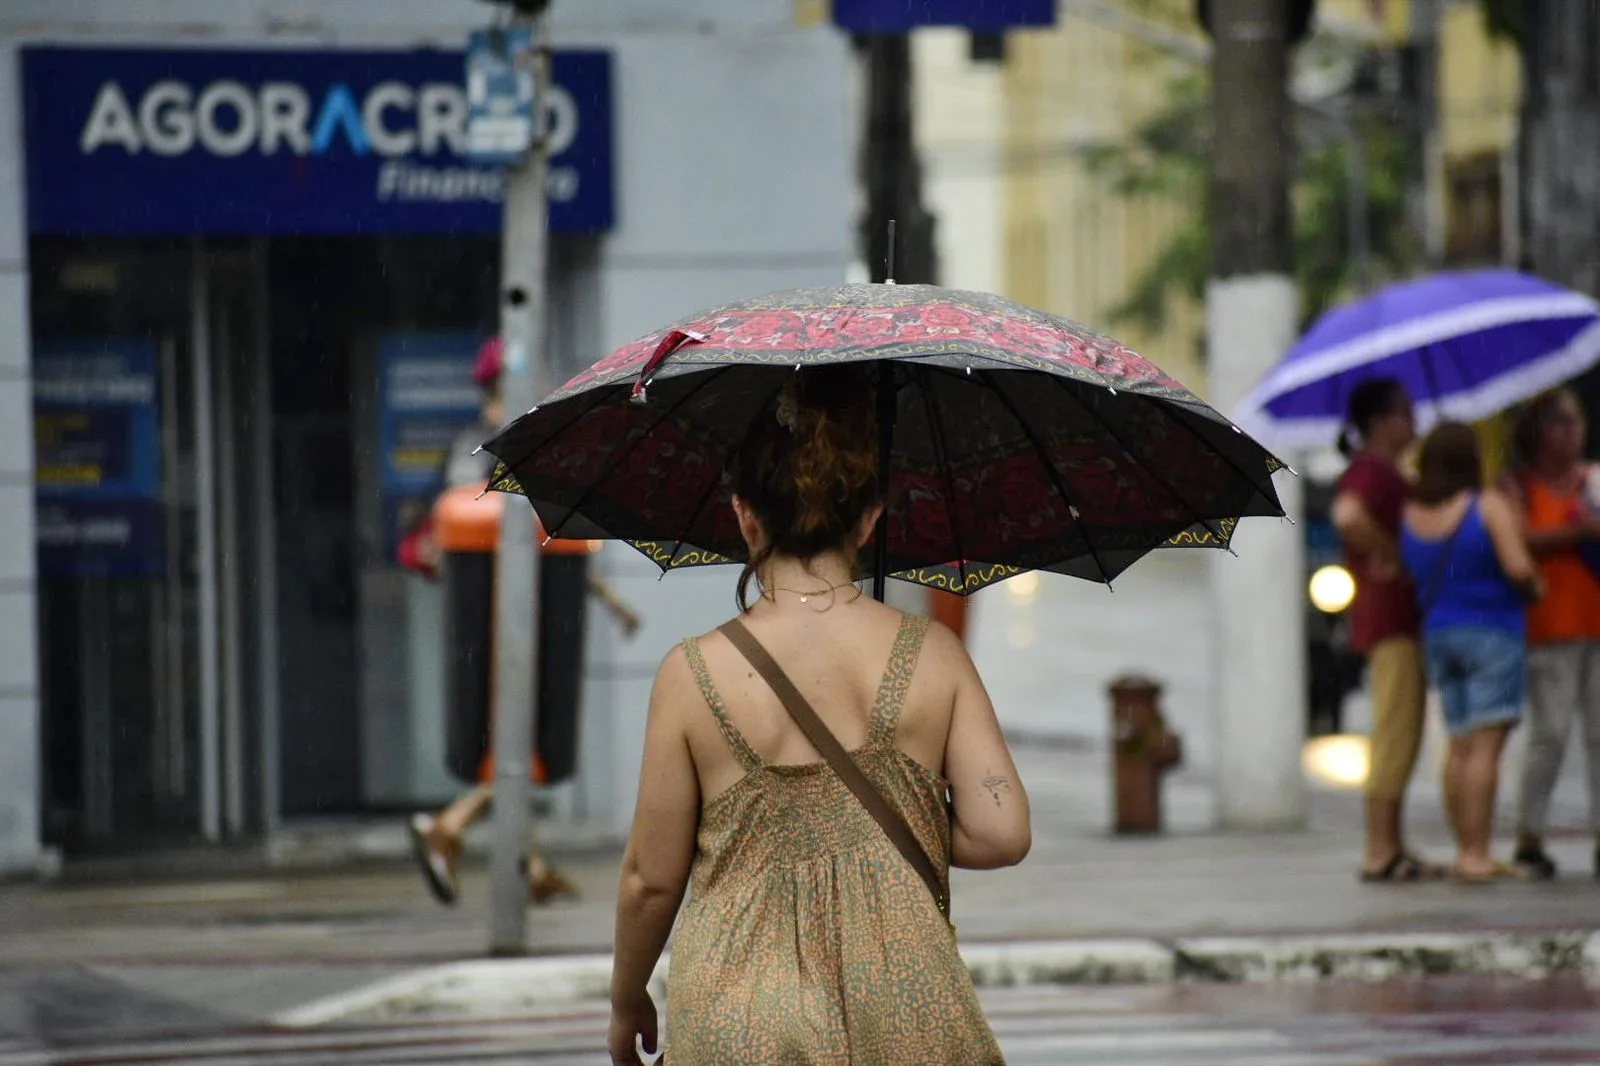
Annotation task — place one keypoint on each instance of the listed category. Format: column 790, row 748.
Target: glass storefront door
column 155, row 584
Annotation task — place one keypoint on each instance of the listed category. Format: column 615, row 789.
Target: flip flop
column 1402, row 869
column 434, row 866
column 1503, row 871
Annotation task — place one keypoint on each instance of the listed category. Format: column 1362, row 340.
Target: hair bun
column 830, row 414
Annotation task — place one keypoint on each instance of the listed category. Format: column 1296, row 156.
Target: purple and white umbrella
column 1466, row 345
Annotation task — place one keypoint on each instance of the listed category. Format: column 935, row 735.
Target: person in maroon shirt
column 1384, row 619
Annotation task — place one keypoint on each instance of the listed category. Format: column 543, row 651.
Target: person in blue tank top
column 1466, row 552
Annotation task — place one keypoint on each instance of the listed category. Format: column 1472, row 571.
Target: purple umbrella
column 1466, row 345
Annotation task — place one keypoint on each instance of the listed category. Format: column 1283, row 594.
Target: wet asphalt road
column 1421, row 1023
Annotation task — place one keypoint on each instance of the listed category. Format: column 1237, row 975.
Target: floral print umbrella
column 1015, row 439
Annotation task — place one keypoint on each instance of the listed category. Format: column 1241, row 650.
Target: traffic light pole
column 523, row 332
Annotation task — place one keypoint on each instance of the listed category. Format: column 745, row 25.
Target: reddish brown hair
column 809, row 468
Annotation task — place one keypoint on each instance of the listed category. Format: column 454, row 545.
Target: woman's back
column 1448, row 550
column 837, row 659
column 809, row 938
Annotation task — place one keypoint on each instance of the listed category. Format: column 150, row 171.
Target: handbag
column 816, row 731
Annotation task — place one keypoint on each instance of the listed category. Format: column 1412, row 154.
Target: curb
column 496, row 988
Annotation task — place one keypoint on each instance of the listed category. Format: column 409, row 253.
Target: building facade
column 243, row 270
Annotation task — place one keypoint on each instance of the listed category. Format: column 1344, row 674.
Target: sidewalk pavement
column 312, row 947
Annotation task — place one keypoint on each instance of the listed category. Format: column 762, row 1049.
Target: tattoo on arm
column 997, row 785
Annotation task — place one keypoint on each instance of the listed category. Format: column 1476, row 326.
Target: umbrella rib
column 677, row 545
column 1151, row 470
column 1256, row 489
column 600, row 397
column 1050, row 470
column 942, row 457
column 617, row 459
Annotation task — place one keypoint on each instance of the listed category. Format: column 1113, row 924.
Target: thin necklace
column 805, row 597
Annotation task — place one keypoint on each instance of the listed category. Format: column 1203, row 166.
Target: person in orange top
column 1564, row 627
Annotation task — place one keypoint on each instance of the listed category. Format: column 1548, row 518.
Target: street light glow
column 1337, row 761
column 1024, row 587
column 1332, row 588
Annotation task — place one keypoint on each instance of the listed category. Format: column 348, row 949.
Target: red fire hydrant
column 1143, row 749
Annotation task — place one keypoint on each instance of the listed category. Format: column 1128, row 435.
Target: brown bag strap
column 816, row 731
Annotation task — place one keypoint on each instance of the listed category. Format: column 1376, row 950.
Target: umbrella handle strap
column 675, row 339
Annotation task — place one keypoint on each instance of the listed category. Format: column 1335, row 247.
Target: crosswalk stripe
column 570, row 1037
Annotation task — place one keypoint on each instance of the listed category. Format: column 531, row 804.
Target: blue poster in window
column 426, row 401
column 97, row 459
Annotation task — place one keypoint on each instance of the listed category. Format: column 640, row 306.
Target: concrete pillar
column 1258, row 598
column 20, row 850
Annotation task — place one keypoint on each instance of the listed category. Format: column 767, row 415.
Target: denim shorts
column 1480, row 673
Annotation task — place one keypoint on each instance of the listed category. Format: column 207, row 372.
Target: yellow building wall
column 1073, row 246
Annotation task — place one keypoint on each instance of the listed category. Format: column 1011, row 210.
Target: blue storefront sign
column 900, row 16
column 152, row 142
column 426, row 400
column 97, row 458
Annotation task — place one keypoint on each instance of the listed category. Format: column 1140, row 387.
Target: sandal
column 1403, row 868
column 438, row 872
column 1503, row 871
column 546, row 884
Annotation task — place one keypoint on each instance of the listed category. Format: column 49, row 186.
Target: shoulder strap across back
column 882, row 811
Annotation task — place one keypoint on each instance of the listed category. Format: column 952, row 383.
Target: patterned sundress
column 808, row 939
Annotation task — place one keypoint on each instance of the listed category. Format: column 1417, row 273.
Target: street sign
column 901, row 16
column 163, row 142
column 500, row 105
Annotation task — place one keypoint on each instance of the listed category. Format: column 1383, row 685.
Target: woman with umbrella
column 806, row 937
column 816, row 806
column 1383, row 617
column 1466, row 552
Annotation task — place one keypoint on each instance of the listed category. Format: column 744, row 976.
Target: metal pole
column 522, row 327
column 897, row 232
column 205, row 481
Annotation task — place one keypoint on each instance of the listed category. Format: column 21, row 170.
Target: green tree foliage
column 1167, row 159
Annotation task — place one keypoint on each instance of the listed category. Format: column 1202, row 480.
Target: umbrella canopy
column 1012, row 439
column 1466, row 345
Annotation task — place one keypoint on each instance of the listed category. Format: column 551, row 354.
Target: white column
column 20, row 850
column 1258, row 600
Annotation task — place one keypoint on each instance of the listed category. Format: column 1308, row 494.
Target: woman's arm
column 1360, row 531
column 992, row 822
column 1500, row 518
column 655, row 867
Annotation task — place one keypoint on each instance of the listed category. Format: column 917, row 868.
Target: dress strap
column 730, row 732
column 897, row 675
